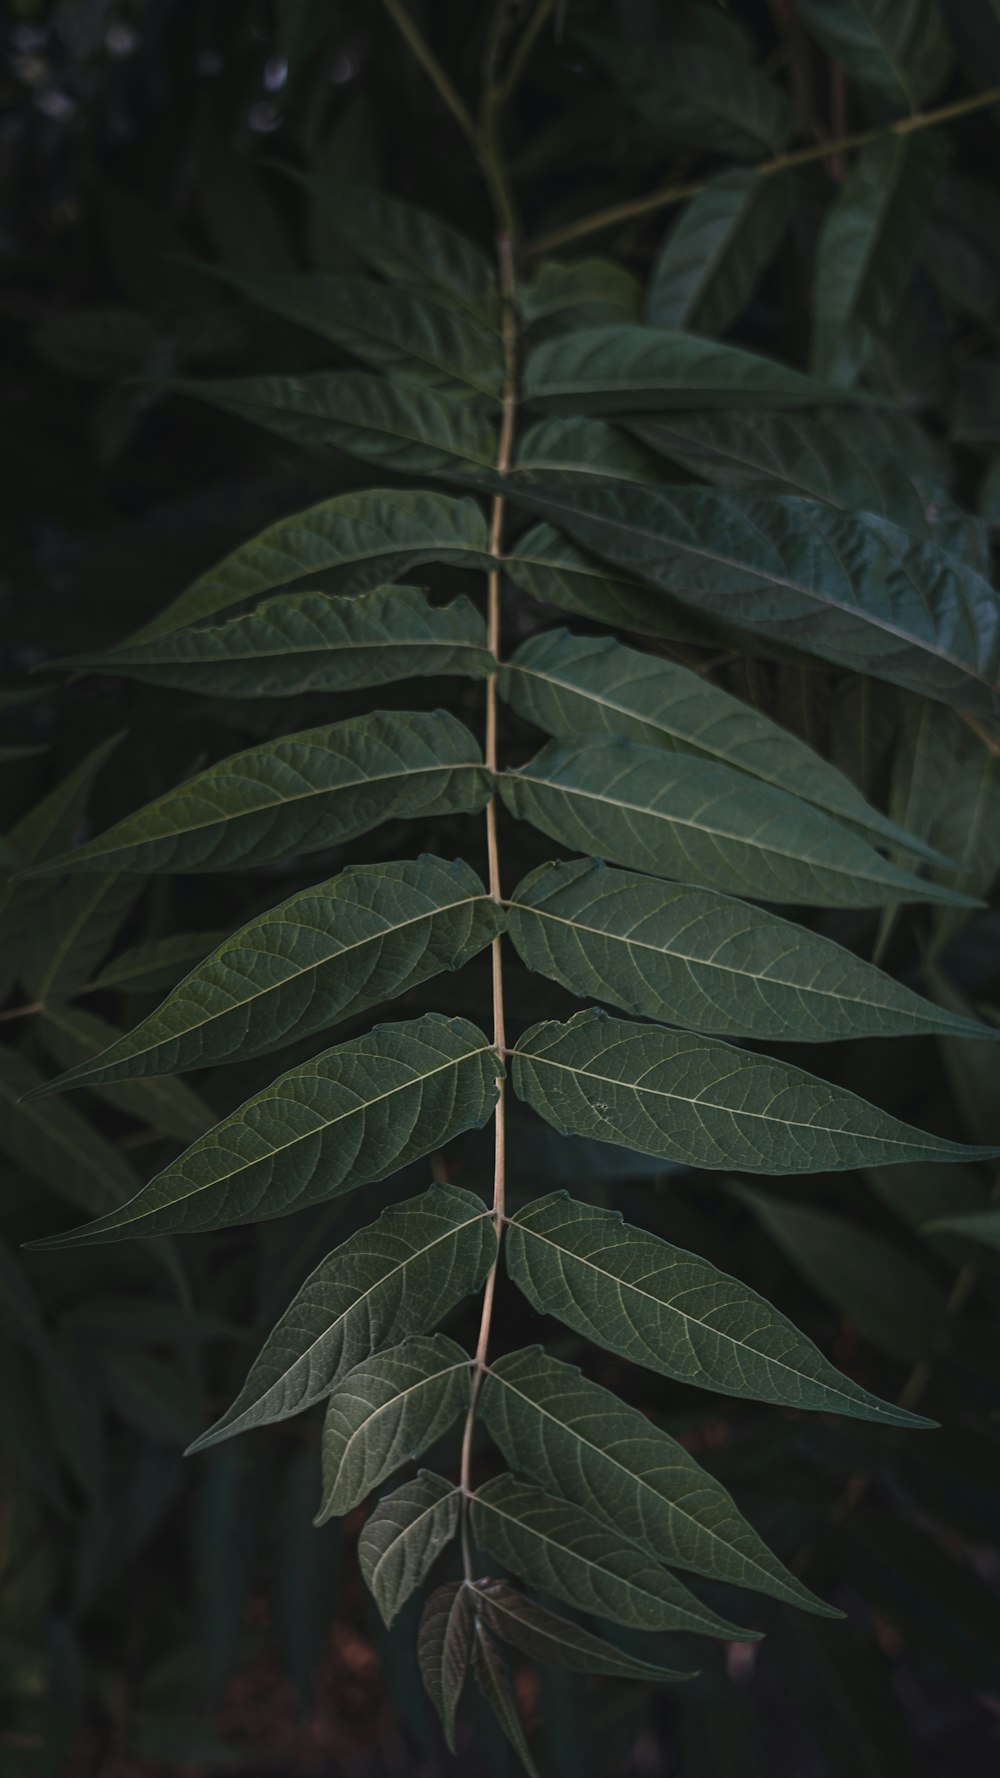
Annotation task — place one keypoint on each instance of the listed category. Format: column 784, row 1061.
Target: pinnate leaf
column 400, row 1276
column 299, row 794
column 676, row 815
column 386, row 1411
column 705, row 1104
column 554, row 1545
column 672, row 1311
column 706, row 961
column 579, row 1441
column 349, row 1117
column 311, row 642
column 325, row 954
column 402, row 1537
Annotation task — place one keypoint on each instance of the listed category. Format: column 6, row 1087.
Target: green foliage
column 749, row 798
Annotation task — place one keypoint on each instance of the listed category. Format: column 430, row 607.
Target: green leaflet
column 713, row 256
column 325, row 954
column 544, row 1636
column 673, row 1312
column 579, row 1441
column 859, row 462
column 443, row 1646
column 154, row 964
column 73, row 1036
column 62, row 1151
column 552, row 1544
column 898, row 46
column 395, row 331
column 349, row 1117
column 355, row 541
column 579, row 293
column 399, row 1276
column 299, row 794
column 575, row 685
column 73, row 923
column 695, row 91
column 407, row 246
column 398, row 426
column 888, row 1292
column 620, row 370
column 495, row 1684
column 575, row 451
column 404, row 1535
column 693, row 958
column 679, row 816
column 848, row 587
column 310, row 642
column 868, row 247
column 702, row 1103
column 554, row 571
column 386, row 1411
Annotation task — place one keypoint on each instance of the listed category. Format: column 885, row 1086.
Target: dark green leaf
column 892, row 1296
column 870, row 242
column 55, row 1145
column 620, row 370
column 404, row 1535
column 74, row 1037
column 73, row 924
column 396, row 331
column 325, row 954
column 443, row 1650
column 574, row 685
column 581, row 1442
column 554, row 571
column 352, row 1115
column 706, row 1104
column 310, row 642
column 554, row 1545
column 494, row 1681
column 387, row 1411
column 544, row 1636
column 848, row 587
column 356, row 541
column 579, row 293
column 577, row 451
column 679, row 816
column 299, row 794
column 693, row 92
column 399, row 426
column 712, row 258
column 409, row 247
column 898, row 46
column 694, row 958
column 154, row 964
column 398, row 1277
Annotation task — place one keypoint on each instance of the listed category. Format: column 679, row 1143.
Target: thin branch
column 523, row 48
column 23, row 1012
column 432, row 67
column 796, row 157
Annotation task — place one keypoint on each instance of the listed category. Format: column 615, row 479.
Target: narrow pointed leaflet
column 319, row 957
column 399, row 1276
column 852, row 588
column 495, row 1683
column 386, row 1411
column 553, row 1544
column 705, row 1104
column 299, row 794
column 546, row 1637
column 355, row 541
column 580, row 1442
column 443, row 1648
column 673, row 1312
column 349, row 1117
column 571, row 685
column 403, row 1536
column 311, row 642
column 693, row 958
column 676, row 815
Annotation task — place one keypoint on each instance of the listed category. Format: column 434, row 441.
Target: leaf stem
column 432, row 67
column 22, row 1012
column 796, row 157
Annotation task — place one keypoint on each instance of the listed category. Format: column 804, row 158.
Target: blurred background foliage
column 157, row 1615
